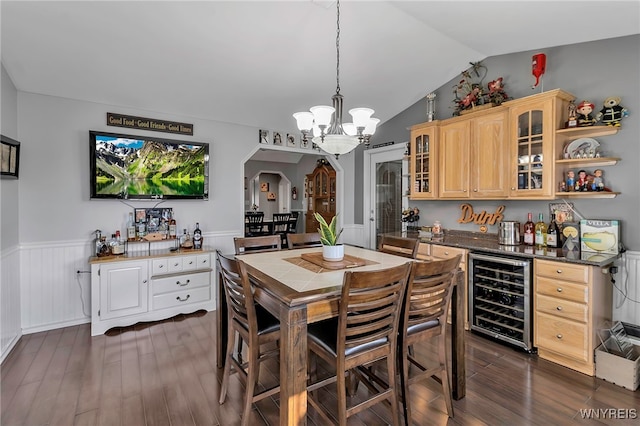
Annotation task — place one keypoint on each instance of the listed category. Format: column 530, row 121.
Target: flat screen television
column 145, row 167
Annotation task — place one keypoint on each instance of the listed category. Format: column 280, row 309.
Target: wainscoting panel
column 52, row 293
column 10, row 327
column 627, row 309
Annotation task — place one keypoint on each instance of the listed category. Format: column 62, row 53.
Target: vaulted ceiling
column 257, row 62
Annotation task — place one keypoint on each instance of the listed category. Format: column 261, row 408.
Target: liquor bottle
column 197, row 237
column 141, row 229
column 117, row 246
column 541, row 232
column 529, row 231
column 553, row 233
column 131, row 229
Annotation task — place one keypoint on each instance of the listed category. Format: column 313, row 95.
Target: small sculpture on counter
column 572, row 116
column 585, row 118
column 571, row 180
column 612, row 112
column 598, row 181
column 497, row 95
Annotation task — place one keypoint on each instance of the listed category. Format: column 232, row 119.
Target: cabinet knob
column 558, row 308
column 191, row 263
column 559, row 271
column 475, row 190
column 176, row 264
column 559, row 336
column 144, row 281
column 464, row 190
column 446, row 253
column 512, row 188
column 161, row 266
column 559, row 289
column 204, row 261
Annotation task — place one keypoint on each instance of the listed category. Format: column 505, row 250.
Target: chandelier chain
column 338, row 47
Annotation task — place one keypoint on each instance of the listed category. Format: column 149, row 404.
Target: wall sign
column 482, row 218
column 133, row 122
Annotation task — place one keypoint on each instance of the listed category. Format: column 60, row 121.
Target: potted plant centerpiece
column 331, row 250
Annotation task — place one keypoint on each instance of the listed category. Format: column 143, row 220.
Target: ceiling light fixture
column 326, row 122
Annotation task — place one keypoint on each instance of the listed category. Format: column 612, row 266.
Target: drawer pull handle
column 559, row 336
column 559, row 308
column 183, row 284
column 183, row 300
column 559, row 271
column 559, row 289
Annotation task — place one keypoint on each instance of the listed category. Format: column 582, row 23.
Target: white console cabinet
column 127, row 290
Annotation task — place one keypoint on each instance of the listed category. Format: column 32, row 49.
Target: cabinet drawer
column 203, row 261
column 562, row 308
column 180, row 282
column 565, row 337
column 180, row 298
column 562, row 271
column 563, row 290
column 160, row 266
column 175, row 264
column 189, row 263
column 444, row 252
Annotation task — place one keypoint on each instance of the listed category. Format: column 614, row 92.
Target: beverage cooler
column 500, row 298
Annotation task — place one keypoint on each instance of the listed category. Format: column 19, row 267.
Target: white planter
column 333, row 253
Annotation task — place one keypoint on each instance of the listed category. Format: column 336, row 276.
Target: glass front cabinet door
column 423, row 161
column 534, row 121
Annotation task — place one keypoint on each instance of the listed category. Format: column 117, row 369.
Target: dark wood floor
column 165, row 373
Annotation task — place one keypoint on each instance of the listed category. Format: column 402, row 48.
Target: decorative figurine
column 571, row 180
column 497, row 95
column 585, row 108
column 538, row 67
column 572, row 119
column 598, row 182
column 582, row 182
column 612, row 112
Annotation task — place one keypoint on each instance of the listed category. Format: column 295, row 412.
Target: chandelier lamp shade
column 324, row 122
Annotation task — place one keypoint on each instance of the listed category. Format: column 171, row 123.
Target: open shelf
column 579, row 194
column 590, row 131
column 593, row 162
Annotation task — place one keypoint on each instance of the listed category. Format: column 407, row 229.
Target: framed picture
column 264, row 187
column 563, row 212
column 9, row 157
column 291, row 139
column 271, row 196
column 263, row 136
column 277, row 138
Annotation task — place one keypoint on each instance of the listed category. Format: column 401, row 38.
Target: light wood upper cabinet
column 423, row 161
column 473, row 156
column 534, row 121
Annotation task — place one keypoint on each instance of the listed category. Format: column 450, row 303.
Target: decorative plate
column 581, row 146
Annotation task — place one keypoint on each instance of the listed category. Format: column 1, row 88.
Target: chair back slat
column 405, row 247
column 370, row 306
column 238, row 292
column 257, row 244
column 281, row 222
column 303, row 240
column 429, row 292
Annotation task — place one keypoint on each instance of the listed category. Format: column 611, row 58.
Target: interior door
column 388, row 181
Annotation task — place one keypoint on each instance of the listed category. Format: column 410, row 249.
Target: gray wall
column 9, row 187
column 592, row 71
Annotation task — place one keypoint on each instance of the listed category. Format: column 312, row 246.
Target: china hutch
column 320, row 193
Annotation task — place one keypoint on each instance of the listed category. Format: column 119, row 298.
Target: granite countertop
column 488, row 243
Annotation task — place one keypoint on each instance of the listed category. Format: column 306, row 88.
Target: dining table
column 299, row 289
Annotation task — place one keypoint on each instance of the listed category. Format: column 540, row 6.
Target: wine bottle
column 173, row 229
column 529, row 231
column 197, row 237
column 553, row 233
column 541, row 232
column 131, row 228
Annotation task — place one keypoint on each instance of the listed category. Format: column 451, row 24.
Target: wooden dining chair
column 365, row 331
column 293, row 223
column 407, row 247
column 254, row 325
column 257, row 244
column 281, row 226
column 426, row 304
column 304, row 240
column 254, row 224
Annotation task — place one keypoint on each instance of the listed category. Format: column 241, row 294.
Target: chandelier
column 329, row 133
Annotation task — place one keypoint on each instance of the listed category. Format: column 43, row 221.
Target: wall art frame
column 9, row 157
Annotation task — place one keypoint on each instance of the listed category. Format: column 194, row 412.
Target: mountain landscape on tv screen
column 147, row 167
